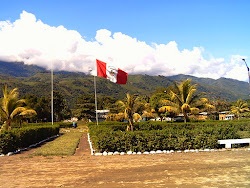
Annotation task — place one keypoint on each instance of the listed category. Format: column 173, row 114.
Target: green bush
column 111, row 136
column 23, row 137
column 65, row 125
column 7, row 142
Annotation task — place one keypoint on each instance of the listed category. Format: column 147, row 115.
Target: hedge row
column 61, row 124
column 148, row 136
column 23, row 137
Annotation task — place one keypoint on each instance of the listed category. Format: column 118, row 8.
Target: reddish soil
column 204, row 169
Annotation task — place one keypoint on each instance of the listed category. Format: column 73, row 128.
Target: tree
column 43, row 109
column 41, row 105
column 148, row 112
column 60, row 108
column 183, row 100
column 155, row 103
column 239, row 108
column 86, row 106
column 129, row 106
column 11, row 108
column 105, row 102
column 221, row 105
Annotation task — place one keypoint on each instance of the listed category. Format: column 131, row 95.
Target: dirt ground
column 203, row 169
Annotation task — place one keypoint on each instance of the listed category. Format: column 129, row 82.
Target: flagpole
column 96, row 115
column 52, row 103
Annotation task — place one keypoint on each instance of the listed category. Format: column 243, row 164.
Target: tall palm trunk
column 185, row 117
column 131, row 124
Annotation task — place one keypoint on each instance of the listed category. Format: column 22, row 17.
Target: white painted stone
column 134, row 153
column 146, row 152
column 116, row 153
column 152, row 152
column 171, row 151
column 159, row 151
column 1, row 155
column 17, row 151
column 104, row 153
column 164, row 151
column 10, row 153
column 248, row 149
column 178, row 151
column 168, row 151
column 129, row 152
column 122, row 153
column 110, row 153
column 206, row 149
column 192, row 150
column 186, row 151
column 98, row 154
column 138, row 153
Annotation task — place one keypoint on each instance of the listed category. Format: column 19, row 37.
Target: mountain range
column 32, row 79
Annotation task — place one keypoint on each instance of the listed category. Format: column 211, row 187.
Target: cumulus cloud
column 33, row 42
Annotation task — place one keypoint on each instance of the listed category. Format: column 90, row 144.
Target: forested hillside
column 36, row 80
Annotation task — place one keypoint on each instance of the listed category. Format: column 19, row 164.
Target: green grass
column 65, row 145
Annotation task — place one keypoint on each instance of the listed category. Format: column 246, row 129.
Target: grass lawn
column 65, row 145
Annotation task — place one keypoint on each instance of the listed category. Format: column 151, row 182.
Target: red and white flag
column 113, row 74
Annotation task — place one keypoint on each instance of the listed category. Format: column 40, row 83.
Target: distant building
column 200, row 116
column 101, row 114
column 226, row 115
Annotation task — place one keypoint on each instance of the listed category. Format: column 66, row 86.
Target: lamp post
column 247, row 71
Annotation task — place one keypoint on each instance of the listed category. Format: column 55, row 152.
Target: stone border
column 31, row 146
column 90, row 145
column 105, row 153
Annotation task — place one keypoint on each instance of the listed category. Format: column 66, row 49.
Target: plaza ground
column 204, row 169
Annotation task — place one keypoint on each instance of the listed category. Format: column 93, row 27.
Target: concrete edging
column 106, row 153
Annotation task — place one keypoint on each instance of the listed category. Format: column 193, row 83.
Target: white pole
column 95, row 102
column 52, row 103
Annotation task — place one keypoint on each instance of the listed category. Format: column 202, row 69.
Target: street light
column 247, row 71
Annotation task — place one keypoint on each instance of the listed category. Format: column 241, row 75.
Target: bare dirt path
column 204, row 169
column 83, row 147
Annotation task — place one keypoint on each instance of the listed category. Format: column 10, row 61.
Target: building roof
column 102, row 111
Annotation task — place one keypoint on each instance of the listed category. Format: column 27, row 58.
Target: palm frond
column 17, row 111
column 168, row 109
column 28, row 113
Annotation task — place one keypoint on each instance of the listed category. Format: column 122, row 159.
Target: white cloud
column 33, row 42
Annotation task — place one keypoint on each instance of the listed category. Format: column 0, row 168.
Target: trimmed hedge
column 23, row 137
column 61, row 124
column 148, row 136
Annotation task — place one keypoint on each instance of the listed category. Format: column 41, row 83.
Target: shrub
column 23, row 137
column 111, row 136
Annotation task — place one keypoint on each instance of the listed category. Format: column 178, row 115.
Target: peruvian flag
column 113, row 74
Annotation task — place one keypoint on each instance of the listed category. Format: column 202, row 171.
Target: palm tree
column 239, row 108
column 148, row 112
column 183, row 100
column 11, row 108
column 129, row 106
column 136, row 117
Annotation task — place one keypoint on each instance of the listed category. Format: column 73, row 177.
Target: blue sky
column 220, row 28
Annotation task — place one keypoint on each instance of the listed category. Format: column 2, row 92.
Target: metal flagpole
column 96, row 115
column 247, row 71
column 52, row 103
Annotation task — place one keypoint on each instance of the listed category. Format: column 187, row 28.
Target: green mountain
column 18, row 69
column 224, row 88
column 35, row 80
